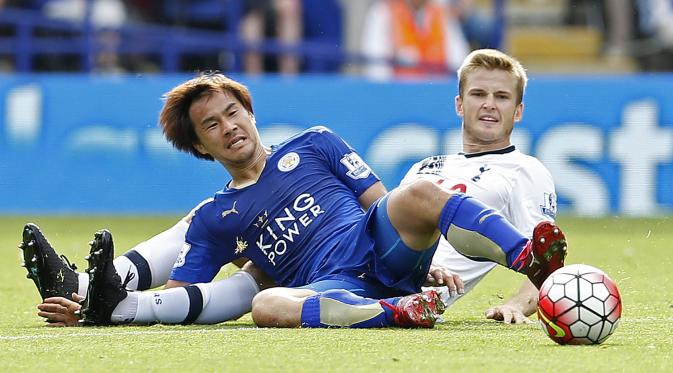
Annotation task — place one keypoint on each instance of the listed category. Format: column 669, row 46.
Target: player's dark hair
column 174, row 118
column 492, row 59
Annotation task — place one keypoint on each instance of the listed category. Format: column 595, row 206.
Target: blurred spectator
column 281, row 19
column 104, row 13
column 619, row 27
column 411, row 38
column 655, row 51
column 106, row 17
column 615, row 20
column 481, row 28
column 354, row 12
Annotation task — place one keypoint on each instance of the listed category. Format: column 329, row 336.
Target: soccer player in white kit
column 490, row 168
column 516, row 185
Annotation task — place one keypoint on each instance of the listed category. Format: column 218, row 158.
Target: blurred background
column 81, row 84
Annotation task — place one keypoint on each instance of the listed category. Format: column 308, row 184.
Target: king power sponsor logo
column 287, row 227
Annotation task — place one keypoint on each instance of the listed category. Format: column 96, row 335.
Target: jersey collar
column 506, row 150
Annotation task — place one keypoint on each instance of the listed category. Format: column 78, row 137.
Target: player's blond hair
column 492, row 59
column 174, row 118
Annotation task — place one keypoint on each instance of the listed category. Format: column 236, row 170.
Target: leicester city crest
column 288, row 162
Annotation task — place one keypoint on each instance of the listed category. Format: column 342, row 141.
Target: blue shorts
column 386, row 267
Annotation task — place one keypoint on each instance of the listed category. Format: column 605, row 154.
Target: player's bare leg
column 414, row 210
column 419, row 209
column 292, row 308
column 279, row 307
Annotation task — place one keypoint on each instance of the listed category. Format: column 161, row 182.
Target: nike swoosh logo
column 560, row 333
column 481, row 220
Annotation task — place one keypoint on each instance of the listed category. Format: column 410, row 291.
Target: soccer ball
column 579, row 304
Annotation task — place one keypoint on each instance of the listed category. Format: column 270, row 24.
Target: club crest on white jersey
column 357, row 168
column 288, row 162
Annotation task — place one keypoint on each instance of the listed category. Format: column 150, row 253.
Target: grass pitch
column 636, row 253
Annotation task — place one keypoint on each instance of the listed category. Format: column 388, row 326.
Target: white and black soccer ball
column 579, row 304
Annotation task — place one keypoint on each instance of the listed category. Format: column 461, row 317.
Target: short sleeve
column 344, row 162
column 533, row 199
column 200, row 258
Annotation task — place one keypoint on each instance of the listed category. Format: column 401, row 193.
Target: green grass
column 636, row 253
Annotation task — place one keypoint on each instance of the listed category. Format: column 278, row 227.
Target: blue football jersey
column 291, row 222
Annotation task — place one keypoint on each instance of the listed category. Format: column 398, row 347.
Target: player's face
column 225, row 129
column 489, row 110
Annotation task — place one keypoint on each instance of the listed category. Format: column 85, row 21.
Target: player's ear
column 252, row 119
column 200, row 148
column 518, row 112
column 459, row 106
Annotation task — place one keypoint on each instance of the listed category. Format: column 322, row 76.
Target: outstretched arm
column 516, row 309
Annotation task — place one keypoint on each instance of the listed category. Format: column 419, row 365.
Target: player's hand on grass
column 507, row 314
column 441, row 276
column 59, row 311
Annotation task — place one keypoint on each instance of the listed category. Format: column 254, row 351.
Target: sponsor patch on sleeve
column 357, row 168
column 548, row 207
column 180, row 261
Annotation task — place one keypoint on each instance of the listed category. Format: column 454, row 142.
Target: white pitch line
column 112, row 334
column 207, row 331
column 648, row 319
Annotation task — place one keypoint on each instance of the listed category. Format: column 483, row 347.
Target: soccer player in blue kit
column 297, row 211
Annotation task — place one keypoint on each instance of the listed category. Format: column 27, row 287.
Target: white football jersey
column 516, row 185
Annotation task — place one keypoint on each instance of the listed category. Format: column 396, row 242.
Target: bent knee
column 421, row 193
column 262, row 305
column 424, row 189
column 279, row 307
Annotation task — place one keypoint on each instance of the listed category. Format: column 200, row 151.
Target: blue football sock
column 479, row 232
column 343, row 309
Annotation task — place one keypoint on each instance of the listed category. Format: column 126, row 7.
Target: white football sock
column 227, row 299
column 126, row 309
column 219, row 301
column 152, row 261
column 123, row 266
column 82, row 283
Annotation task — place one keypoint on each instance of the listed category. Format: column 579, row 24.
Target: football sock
column 208, row 303
column 341, row 308
column 82, row 284
column 151, row 261
column 480, row 233
column 122, row 265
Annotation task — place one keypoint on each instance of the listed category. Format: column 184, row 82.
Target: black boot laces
column 65, row 259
